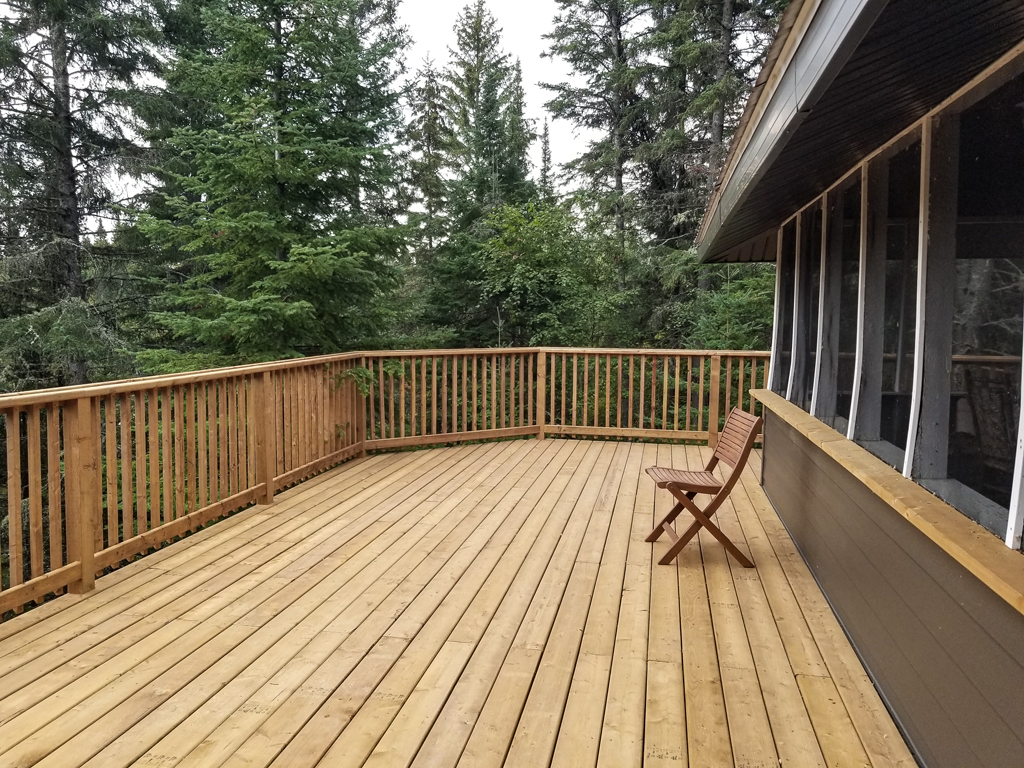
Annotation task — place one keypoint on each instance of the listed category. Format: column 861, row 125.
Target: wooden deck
column 482, row 605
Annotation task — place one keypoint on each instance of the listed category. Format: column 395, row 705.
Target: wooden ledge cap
column 985, row 555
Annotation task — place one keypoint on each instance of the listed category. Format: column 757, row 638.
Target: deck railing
column 96, row 475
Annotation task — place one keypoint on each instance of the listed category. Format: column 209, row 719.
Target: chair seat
column 697, row 482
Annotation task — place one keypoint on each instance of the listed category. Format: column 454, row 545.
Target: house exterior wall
column 945, row 652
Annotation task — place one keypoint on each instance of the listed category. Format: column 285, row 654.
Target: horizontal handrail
column 92, row 476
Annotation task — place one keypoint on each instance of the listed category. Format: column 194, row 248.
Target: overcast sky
column 523, row 24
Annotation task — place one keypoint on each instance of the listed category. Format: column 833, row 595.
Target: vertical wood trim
column 922, row 285
column 858, row 363
column 777, row 312
column 930, row 459
column 822, row 297
column 793, row 351
column 823, row 404
column 1015, row 522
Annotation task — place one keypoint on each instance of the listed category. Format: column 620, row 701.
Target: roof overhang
column 841, row 79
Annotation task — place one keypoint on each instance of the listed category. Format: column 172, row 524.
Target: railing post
column 82, row 467
column 542, row 390
column 265, row 444
column 716, row 380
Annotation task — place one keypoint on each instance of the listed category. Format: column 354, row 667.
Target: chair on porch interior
column 734, row 445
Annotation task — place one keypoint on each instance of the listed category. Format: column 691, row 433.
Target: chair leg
column 726, row 541
column 666, row 520
column 701, row 520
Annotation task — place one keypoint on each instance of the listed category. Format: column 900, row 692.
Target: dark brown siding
column 945, row 651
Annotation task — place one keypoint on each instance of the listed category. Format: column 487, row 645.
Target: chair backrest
column 737, row 438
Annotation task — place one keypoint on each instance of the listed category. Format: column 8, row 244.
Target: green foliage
column 362, row 377
column 284, row 215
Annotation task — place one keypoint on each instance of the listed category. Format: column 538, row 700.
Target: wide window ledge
column 997, row 566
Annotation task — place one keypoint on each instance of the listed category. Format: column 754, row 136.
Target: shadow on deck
column 478, row 605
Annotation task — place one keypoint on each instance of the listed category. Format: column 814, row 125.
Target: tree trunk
column 67, row 259
column 725, row 50
column 615, row 23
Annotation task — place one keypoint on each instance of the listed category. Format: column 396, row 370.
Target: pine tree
column 68, row 74
column 287, row 211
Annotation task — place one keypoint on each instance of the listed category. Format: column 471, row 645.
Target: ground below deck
column 482, row 605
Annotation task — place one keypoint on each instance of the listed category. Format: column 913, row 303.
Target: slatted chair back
column 736, row 440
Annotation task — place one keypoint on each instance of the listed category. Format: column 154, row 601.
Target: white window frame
column 862, row 277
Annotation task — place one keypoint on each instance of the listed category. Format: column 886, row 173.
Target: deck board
column 481, row 605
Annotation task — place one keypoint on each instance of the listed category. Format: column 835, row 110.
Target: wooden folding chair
column 734, row 445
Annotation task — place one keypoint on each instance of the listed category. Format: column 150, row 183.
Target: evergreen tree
column 288, row 209
column 546, row 185
column 599, row 40
column 67, row 88
column 432, row 142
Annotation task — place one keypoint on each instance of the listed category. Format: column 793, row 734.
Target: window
column 890, row 304
column 987, row 308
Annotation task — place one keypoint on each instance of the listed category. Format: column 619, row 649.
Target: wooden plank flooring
column 480, row 605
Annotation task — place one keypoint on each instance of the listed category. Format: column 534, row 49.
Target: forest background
column 192, row 183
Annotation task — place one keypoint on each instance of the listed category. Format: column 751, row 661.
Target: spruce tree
column 287, row 211
column 68, row 74
column 546, row 182
column 432, row 143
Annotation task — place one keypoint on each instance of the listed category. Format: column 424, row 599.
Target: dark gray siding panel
column 946, row 653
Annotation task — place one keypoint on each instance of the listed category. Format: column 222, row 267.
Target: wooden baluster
column 502, row 375
column 423, row 395
column 713, row 406
column 618, row 394
column 401, row 398
column 36, row 555
column 83, row 448
column 494, row 392
column 109, row 448
column 189, row 466
column 522, row 389
column 689, row 390
column 565, row 371
column 54, row 518
column 16, row 563
column 265, row 458
column 444, row 395
column 222, row 432
column 665, row 393
column 700, row 399
column 675, row 406
column 643, row 392
column 753, row 382
column 727, row 381
column 152, row 460
column 138, row 437
column 179, row 452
